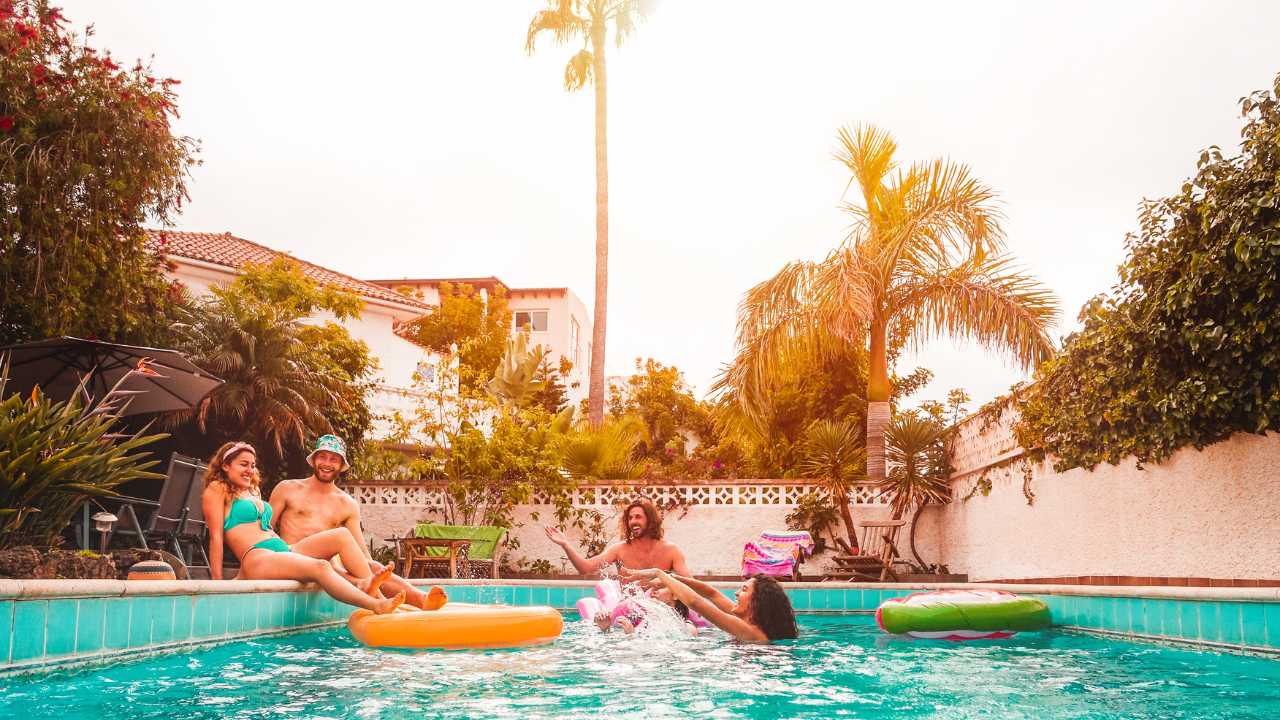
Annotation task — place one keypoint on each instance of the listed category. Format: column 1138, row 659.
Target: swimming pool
column 841, row 667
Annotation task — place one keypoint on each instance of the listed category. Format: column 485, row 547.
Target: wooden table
column 415, row 549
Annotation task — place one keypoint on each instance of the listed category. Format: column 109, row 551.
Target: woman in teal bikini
column 231, row 493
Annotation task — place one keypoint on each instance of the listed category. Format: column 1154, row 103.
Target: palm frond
column 807, row 310
column 562, row 20
column 868, row 153
column 984, row 299
column 579, row 72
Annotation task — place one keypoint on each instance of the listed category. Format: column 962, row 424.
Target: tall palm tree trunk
column 877, row 400
column 596, row 392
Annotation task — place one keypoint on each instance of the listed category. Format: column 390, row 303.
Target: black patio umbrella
column 155, row 380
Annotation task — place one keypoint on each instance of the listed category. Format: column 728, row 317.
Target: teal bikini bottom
column 274, row 544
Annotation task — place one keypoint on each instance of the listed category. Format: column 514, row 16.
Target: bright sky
column 418, row 139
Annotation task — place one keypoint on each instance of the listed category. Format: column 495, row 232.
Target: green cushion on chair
column 483, row 538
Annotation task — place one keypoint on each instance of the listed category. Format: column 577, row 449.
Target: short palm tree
column 918, row 468
column 923, row 258
column 567, row 20
column 834, row 453
column 270, row 394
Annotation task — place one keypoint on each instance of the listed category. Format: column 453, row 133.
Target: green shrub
column 1187, row 350
column 53, row 455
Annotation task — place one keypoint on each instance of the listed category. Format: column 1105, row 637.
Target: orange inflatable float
column 457, row 626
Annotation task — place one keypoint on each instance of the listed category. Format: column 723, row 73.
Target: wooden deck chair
column 877, row 553
column 176, row 522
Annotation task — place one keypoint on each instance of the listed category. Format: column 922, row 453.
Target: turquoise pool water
column 841, row 667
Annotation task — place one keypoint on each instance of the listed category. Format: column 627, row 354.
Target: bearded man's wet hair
column 771, row 609
column 653, row 521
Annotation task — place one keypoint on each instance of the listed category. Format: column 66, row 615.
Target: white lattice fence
column 605, row 495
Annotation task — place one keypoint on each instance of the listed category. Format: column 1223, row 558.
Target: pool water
column 841, row 667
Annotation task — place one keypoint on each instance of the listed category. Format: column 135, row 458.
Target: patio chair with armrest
column 877, row 555
column 176, row 521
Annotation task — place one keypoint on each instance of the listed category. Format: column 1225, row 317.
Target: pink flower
column 6, row 123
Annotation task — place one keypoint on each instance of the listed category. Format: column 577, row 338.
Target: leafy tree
column 87, row 155
column 551, row 395
column 286, row 381
column 658, row 395
column 923, row 258
column 477, row 327
column 1186, row 351
column 568, row 20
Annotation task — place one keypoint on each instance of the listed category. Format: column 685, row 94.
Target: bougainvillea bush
column 87, row 155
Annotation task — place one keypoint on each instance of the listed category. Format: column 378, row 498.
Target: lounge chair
column 877, row 553
column 176, row 522
column 777, row 553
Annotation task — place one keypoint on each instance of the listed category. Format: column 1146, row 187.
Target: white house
column 201, row 260
column 554, row 317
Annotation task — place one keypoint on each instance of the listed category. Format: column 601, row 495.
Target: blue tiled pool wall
column 38, row 632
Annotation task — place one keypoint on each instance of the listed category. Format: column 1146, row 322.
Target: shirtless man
column 302, row 508
column 641, row 546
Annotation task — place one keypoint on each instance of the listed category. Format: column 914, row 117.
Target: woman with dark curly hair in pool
column 235, row 511
column 762, row 613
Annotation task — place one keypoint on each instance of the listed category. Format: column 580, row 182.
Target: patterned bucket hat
column 333, row 444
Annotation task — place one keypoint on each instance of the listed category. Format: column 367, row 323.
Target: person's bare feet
column 389, row 605
column 435, row 599
column 371, row 585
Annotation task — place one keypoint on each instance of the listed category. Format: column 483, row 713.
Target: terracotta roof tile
column 237, row 253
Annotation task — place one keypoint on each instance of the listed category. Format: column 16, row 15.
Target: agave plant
column 833, row 451
column 54, row 455
column 918, row 469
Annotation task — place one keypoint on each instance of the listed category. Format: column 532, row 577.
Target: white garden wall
column 710, row 521
column 1211, row 513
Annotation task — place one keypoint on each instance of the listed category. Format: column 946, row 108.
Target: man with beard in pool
column 302, row 508
column 641, row 546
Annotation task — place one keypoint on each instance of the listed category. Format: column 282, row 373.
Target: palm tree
column 589, row 20
column 833, row 453
column 917, row 454
column 271, row 394
column 923, row 258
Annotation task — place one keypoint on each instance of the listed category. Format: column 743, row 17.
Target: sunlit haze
column 419, row 140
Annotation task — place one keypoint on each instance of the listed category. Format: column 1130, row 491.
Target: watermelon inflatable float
column 962, row 615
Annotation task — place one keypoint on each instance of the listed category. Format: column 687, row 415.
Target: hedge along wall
column 710, row 521
column 1211, row 513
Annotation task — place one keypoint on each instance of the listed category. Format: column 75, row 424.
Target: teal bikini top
column 244, row 510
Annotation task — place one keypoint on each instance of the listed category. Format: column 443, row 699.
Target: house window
column 573, row 339
column 532, row 320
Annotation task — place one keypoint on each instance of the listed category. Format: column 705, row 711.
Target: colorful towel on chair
column 776, row 552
